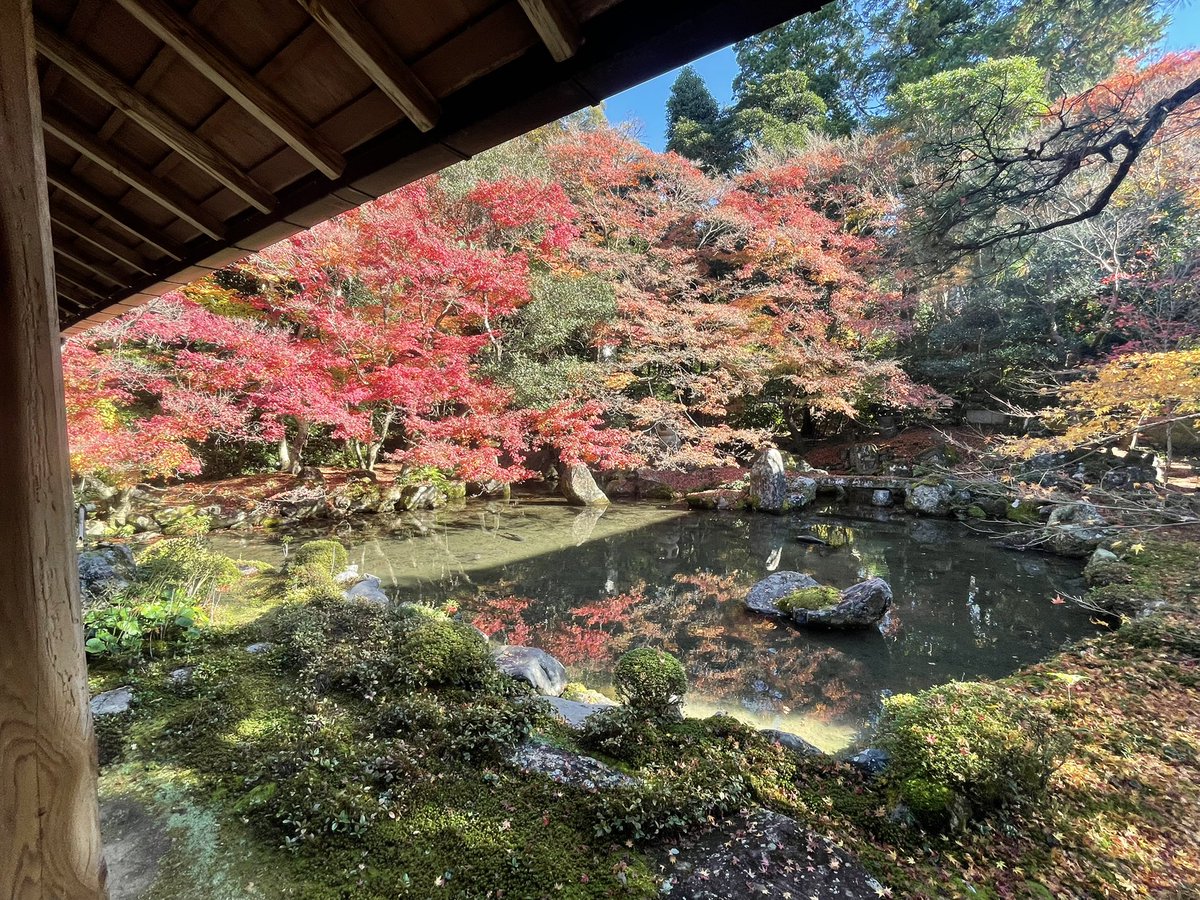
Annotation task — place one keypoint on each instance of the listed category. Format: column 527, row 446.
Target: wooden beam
column 82, row 307
column 51, row 844
column 214, row 64
column 129, row 170
column 151, row 117
column 88, row 232
column 556, row 25
column 114, row 212
column 362, row 42
column 76, row 281
column 74, row 257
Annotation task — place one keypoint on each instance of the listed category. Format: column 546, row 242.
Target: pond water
column 586, row 585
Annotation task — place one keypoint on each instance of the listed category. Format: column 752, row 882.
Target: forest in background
column 908, row 207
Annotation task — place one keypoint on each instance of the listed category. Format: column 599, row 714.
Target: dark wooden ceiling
column 183, row 135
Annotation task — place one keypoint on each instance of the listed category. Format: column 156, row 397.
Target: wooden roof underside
column 182, row 135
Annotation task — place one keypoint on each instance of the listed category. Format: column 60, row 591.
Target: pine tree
column 697, row 127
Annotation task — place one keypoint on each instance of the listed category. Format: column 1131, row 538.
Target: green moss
column 1026, row 512
column 441, row 652
column 818, row 597
column 650, row 681
column 981, row 743
column 975, row 511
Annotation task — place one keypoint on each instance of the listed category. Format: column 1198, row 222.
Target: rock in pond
column 762, row 854
column 791, row 741
column 801, row 491
column 764, row 597
column 858, row 606
column 367, row 591
column 539, row 668
column 112, row 703
column 1076, row 529
column 564, row 767
column 769, row 483
column 861, row 606
column 575, row 482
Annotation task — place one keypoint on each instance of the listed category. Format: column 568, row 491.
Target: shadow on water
column 586, row 585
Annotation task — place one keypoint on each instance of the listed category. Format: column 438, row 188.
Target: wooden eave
column 182, row 136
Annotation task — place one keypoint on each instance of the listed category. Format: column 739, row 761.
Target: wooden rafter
column 76, row 283
column 73, row 255
column 132, row 173
column 555, row 25
column 362, row 42
column 88, row 233
column 151, row 117
column 114, row 212
column 215, row 65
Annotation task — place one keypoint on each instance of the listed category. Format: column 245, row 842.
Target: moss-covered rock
column 810, row 598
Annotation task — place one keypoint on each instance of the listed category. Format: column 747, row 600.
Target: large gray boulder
column 861, row 606
column 1076, row 529
column 104, row 571
column 934, row 498
column 768, row 483
column 801, row 491
column 764, row 597
column 575, row 482
column 547, row 675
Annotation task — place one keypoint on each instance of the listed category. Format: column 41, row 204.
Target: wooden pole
column 49, row 829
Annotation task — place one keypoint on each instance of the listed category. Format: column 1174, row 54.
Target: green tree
column 828, row 45
column 778, row 113
column 697, row 127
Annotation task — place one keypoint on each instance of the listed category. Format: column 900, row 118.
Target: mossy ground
column 226, row 761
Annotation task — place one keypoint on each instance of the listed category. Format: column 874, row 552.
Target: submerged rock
column 762, row 854
column 575, row 482
column 539, row 668
column 935, row 497
column 112, row 703
column 564, row 767
column 861, row 605
column 769, row 483
column 764, row 597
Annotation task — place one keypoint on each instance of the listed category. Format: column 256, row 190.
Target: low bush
column 967, row 749
column 624, row 734
column 310, row 571
column 129, row 625
column 184, row 567
column 651, row 682
column 439, row 652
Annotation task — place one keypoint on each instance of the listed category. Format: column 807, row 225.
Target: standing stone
column 576, row 483
column 768, row 482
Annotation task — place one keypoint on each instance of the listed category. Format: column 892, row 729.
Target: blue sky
column 645, row 105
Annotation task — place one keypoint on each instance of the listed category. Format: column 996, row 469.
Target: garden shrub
column 310, row 570
column 651, row 681
column 967, row 749
column 624, row 734
column 817, row 597
column 184, row 567
column 439, row 651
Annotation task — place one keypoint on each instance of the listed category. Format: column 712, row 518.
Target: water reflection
column 588, row 585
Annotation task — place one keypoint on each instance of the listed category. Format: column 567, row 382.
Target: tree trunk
column 49, row 826
column 291, row 454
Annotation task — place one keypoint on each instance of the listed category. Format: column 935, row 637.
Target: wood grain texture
column 151, row 117
column 555, row 25
column 360, row 40
column 49, row 827
column 215, row 65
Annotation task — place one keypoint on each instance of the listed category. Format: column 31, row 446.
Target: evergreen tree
column 697, row 127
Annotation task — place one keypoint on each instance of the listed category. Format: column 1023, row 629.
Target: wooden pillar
column 49, row 830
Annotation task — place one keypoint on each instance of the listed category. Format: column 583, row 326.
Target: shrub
column 184, row 567
column 439, row 651
column 964, row 750
column 810, row 598
column 623, row 734
column 651, row 681
column 310, row 571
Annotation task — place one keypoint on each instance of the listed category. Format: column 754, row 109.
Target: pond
column 586, row 585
